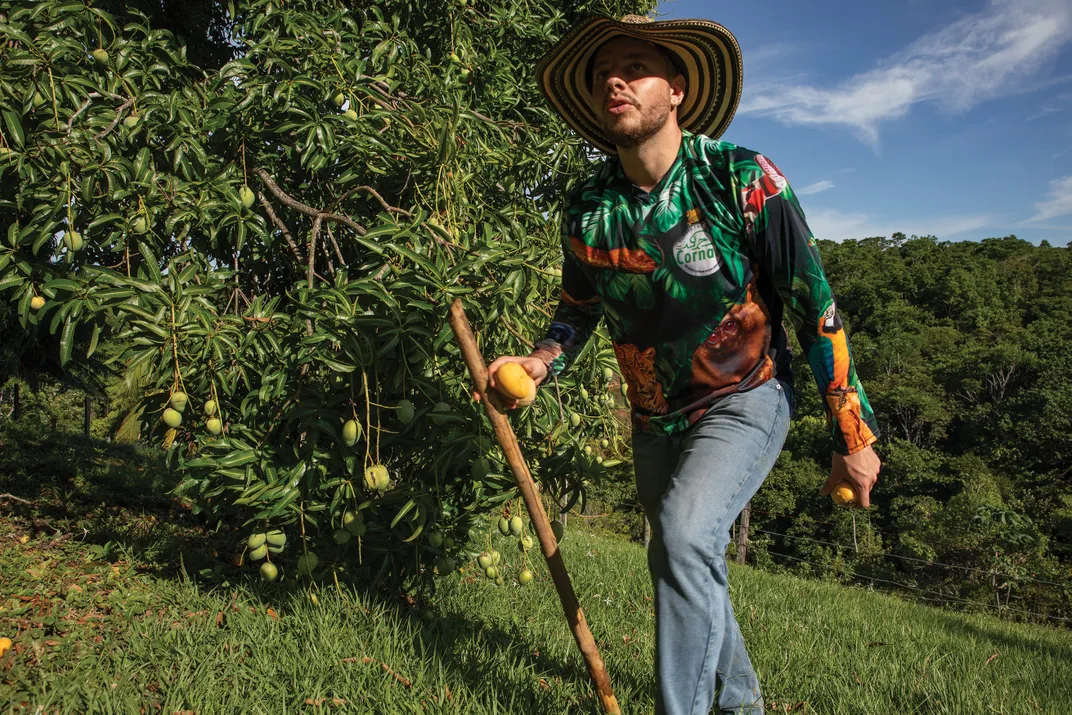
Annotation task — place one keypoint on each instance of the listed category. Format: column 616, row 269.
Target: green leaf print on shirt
column 668, row 210
column 670, row 283
column 627, row 287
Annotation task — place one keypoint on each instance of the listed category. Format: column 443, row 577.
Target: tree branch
column 386, row 207
column 118, row 113
column 281, row 226
column 298, row 206
column 312, row 249
column 338, row 253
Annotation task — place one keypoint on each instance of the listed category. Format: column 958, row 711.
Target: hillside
column 108, row 613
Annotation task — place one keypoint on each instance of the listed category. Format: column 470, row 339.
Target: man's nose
column 613, row 84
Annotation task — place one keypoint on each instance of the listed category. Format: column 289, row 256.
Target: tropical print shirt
column 693, row 279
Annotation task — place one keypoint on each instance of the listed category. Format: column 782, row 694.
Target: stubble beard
column 628, row 135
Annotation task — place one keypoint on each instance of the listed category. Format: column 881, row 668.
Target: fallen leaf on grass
column 316, row 702
column 273, row 614
column 990, row 659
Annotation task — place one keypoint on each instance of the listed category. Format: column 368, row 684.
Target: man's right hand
column 535, row 367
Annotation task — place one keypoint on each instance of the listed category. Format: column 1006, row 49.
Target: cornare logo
column 695, row 253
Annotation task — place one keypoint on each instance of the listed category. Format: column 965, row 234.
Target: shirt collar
column 621, row 182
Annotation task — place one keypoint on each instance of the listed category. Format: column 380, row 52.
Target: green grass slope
column 98, row 592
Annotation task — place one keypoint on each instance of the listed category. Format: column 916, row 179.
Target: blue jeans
column 692, row 486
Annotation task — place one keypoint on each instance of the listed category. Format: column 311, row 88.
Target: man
column 691, row 249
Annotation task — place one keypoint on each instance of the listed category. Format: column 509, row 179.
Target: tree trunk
column 742, row 534
column 647, row 531
column 18, row 403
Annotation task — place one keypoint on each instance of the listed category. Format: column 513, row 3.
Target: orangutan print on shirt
column 693, row 279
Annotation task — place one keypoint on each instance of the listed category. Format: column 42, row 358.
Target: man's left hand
column 860, row 469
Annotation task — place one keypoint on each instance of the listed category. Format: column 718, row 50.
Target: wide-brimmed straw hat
column 704, row 51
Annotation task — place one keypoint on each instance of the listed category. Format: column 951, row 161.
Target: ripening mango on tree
column 73, row 241
column 178, row 401
column 172, row 418
column 405, row 411
column 349, row 433
column 307, row 562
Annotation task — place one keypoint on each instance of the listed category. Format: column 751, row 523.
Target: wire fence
column 922, row 562
column 941, row 597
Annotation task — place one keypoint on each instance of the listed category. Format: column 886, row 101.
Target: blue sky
column 945, row 118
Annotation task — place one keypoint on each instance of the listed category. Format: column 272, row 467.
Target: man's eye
column 638, row 65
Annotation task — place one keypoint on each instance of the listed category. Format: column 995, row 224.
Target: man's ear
column 677, row 90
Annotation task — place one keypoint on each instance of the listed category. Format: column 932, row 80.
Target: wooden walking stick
column 478, row 370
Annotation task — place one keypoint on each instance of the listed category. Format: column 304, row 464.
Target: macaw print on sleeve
column 766, row 186
column 831, row 329
column 619, row 259
column 638, row 369
column 731, row 352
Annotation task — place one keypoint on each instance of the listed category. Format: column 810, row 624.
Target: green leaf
column 66, row 342
column 93, row 340
column 14, row 127
column 238, row 458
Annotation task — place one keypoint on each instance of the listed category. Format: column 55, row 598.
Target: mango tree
column 275, row 245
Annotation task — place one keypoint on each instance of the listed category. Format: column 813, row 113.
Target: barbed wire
column 954, row 599
column 920, row 561
column 797, row 517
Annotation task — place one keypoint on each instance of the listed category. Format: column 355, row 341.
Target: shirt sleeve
column 785, row 249
column 579, row 311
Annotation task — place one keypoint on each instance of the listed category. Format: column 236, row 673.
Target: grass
column 108, row 615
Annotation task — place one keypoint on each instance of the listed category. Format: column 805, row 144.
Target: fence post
column 85, row 422
column 742, row 534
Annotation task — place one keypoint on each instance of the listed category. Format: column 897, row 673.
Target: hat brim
column 708, row 54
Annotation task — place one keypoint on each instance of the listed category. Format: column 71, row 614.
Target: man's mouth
column 618, row 106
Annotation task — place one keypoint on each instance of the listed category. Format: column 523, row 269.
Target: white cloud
column 817, row 187
column 834, row 225
column 982, row 56
column 1058, row 202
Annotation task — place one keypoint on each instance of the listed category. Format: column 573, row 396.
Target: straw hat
column 704, row 51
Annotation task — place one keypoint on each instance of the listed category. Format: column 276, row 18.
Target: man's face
column 633, row 90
